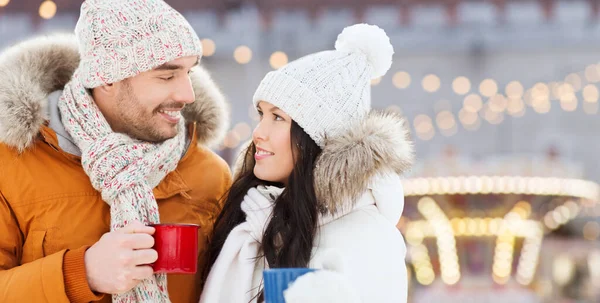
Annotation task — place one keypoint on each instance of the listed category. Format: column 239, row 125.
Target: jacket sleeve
column 323, row 286
column 376, row 265
column 375, row 274
column 42, row 280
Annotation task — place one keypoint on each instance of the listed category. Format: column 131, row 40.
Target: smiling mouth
column 264, row 153
column 261, row 154
column 172, row 116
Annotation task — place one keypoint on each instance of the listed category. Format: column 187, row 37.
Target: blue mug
column 278, row 280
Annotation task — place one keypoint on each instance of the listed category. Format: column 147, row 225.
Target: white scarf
column 230, row 279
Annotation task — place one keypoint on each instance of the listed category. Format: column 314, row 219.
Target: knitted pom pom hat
column 119, row 39
column 327, row 92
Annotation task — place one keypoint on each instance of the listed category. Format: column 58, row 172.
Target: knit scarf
column 123, row 170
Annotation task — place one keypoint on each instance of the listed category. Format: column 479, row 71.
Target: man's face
column 148, row 106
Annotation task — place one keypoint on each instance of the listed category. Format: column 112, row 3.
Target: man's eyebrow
column 171, row 66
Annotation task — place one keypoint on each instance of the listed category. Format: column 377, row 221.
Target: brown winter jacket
column 49, row 211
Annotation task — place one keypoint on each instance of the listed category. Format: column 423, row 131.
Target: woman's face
column 272, row 138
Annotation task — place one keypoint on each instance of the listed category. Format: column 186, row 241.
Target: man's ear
column 109, row 90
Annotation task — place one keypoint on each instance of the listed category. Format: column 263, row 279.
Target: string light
column 510, row 185
column 401, row 80
column 208, row 47
column 461, row 85
column 446, row 243
column 242, row 54
column 243, row 130
column 422, row 264
column 503, row 252
column 563, row 269
column 513, row 225
column 278, row 59
column 376, row 81
column 591, row 73
column 473, row 103
column 575, row 81
column 561, row 215
column 568, row 102
column 514, row 89
column 498, row 103
column 488, row 88
column 467, row 117
column 445, row 120
column 530, row 254
column 47, row 9
column 424, row 127
column 232, row 140
column 590, row 93
column 515, row 107
column 431, row 83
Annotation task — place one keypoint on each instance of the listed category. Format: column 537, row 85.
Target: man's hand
column 120, row 259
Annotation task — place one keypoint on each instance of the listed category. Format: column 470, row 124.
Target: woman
column 319, row 184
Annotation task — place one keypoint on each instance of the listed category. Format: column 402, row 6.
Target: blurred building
column 502, row 101
column 501, row 229
column 528, row 68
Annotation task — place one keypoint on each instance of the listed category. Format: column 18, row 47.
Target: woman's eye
column 278, row 118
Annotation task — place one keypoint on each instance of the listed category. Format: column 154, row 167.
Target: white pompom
column 370, row 40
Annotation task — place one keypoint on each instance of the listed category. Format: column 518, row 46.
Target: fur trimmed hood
column 31, row 70
column 378, row 145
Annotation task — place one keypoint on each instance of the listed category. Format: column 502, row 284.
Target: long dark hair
column 288, row 239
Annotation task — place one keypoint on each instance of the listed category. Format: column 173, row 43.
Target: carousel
column 503, row 229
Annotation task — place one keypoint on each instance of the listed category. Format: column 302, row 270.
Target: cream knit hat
column 119, row 39
column 326, row 93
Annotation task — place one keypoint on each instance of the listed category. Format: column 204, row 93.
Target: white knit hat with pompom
column 326, row 93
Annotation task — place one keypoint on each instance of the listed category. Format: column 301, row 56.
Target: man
column 102, row 134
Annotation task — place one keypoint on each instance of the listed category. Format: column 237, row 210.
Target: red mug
column 177, row 248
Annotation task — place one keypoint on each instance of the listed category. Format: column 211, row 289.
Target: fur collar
column 31, row 70
column 348, row 163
